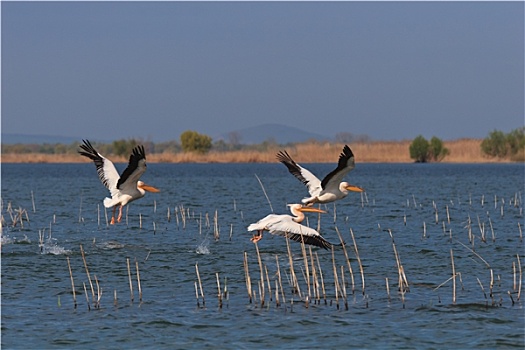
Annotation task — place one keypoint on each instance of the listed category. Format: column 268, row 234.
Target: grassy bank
column 461, row 151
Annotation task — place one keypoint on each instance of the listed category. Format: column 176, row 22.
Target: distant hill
column 279, row 133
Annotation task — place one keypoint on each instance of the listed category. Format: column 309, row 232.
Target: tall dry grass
column 461, row 151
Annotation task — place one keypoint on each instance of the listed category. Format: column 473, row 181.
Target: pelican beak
column 311, row 210
column 354, row 188
column 149, row 188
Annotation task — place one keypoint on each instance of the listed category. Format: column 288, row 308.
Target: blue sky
column 389, row 70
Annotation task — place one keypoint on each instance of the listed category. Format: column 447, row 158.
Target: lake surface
column 435, row 213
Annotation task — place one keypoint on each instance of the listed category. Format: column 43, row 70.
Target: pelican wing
column 288, row 228
column 318, row 240
column 105, row 168
column 136, row 167
column 304, row 175
column 345, row 164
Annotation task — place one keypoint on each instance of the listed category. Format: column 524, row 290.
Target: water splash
column 51, row 247
column 6, row 240
column 203, row 248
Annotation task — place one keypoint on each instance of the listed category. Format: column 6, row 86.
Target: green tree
column 437, row 150
column 419, row 149
column 501, row 145
column 495, row 145
column 123, row 147
column 192, row 141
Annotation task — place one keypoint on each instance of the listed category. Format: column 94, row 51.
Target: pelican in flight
column 331, row 188
column 290, row 226
column 124, row 188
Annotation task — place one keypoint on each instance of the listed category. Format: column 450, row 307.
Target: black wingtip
column 347, row 152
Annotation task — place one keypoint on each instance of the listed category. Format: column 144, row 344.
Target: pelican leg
column 112, row 222
column 257, row 237
column 119, row 213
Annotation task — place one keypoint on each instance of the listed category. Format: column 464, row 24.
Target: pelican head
column 141, row 184
column 346, row 186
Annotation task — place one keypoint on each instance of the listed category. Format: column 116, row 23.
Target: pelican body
column 332, row 187
column 290, row 226
column 123, row 188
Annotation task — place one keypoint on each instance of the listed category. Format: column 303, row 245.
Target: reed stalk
column 321, row 276
column 344, row 286
column 492, row 231
column 511, row 298
column 219, row 293
column 491, row 286
column 226, row 294
column 72, row 283
column 80, row 209
column 280, row 279
column 216, row 232
column 306, row 267
column 87, row 271
column 514, row 275
column 200, row 284
column 277, row 302
column 261, row 292
column 521, row 233
column 294, row 281
column 520, row 275
column 453, row 278
column 483, row 290
column 314, row 276
column 168, row 215
column 115, row 300
column 387, row 288
column 264, row 191
column 343, row 244
column 33, row 201
column 448, row 214
column 247, row 277
column 99, row 293
column 130, row 283
column 358, row 260
column 268, row 282
column 138, row 280
column 197, row 295
column 336, row 280
column 87, row 298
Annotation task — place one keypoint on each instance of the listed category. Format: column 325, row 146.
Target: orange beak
column 149, row 188
column 311, row 210
column 354, row 188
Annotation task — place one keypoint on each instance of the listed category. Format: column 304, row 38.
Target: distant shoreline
column 461, row 151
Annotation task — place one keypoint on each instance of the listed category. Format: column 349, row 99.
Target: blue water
column 62, row 203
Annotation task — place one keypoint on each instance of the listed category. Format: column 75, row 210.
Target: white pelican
column 331, row 188
column 125, row 188
column 289, row 226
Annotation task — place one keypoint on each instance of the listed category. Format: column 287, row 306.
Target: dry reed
column 200, row 284
column 461, row 151
column 72, row 283
column 130, row 283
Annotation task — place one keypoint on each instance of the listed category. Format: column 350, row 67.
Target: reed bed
column 461, row 151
